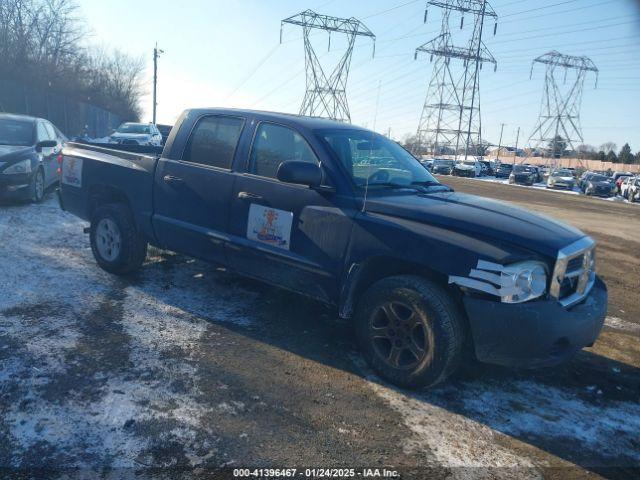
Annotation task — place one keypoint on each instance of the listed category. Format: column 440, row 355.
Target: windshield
column 370, row 158
column 563, row 173
column 134, row 128
column 600, row 178
column 522, row 169
column 443, row 162
column 16, row 132
column 506, row 166
column 473, row 164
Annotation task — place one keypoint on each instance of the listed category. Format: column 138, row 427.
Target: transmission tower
column 451, row 112
column 560, row 107
column 326, row 95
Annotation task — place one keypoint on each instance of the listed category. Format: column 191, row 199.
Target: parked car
column 469, row 168
column 600, row 185
column 29, row 150
column 633, row 190
column 624, row 185
column 504, row 170
column 538, row 171
column 616, row 175
column 523, row 175
column 488, row 167
column 562, row 178
column 130, row 133
column 421, row 270
column 442, row 166
column 584, row 178
column 618, row 179
column 427, row 163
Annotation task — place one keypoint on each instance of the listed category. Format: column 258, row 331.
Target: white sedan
column 137, row 134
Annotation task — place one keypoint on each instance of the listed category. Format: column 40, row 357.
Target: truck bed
column 91, row 172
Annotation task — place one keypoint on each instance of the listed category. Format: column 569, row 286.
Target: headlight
column 515, row 283
column 529, row 279
column 23, row 166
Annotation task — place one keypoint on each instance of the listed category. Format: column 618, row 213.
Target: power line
column 538, row 8
column 391, row 9
column 254, row 70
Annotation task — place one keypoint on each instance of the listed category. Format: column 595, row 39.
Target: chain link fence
column 72, row 117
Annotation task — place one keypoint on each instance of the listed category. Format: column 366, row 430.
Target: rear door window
column 274, row 144
column 213, row 141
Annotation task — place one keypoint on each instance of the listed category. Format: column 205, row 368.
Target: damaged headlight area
column 515, row 283
column 23, row 166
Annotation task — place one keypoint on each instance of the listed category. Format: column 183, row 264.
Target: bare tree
column 42, row 46
column 608, row 147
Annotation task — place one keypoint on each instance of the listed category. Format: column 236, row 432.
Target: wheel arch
column 102, row 194
column 361, row 276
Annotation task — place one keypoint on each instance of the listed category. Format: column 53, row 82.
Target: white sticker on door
column 270, row 226
column 72, row 171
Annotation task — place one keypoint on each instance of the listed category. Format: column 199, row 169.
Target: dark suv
column 504, row 170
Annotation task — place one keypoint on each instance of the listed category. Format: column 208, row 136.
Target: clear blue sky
column 227, row 53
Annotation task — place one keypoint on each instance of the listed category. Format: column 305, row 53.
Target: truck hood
column 480, row 217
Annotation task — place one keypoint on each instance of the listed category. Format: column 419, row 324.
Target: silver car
column 137, row 134
column 561, row 178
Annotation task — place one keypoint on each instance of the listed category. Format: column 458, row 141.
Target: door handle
column 249, row 196
column 172, row 179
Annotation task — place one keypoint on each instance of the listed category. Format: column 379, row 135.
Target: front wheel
column 115, row 241
column 37, row 186
column 410, row 331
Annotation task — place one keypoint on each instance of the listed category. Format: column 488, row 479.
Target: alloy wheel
column 399, row 336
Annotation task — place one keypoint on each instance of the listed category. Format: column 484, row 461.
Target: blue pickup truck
column 431, row 277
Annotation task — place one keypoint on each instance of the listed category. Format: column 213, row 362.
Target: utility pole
column 326, row 94
column 451, row 112
column 500, row 141
column 560, row 109
column 156, row 54
column 515, row 152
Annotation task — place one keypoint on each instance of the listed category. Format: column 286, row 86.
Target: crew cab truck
column 345, row 216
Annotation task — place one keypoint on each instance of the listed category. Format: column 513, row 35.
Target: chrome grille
column 575, row 263
column 574, row 272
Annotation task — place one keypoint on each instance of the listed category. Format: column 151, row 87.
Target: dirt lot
column 188, row 367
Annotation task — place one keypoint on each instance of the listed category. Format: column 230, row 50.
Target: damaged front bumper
column 536, row 333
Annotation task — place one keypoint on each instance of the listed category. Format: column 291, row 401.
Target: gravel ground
column 186, row 368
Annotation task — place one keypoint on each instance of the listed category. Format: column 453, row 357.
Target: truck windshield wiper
column 431, row 183
column 392, row 185
column 428, row 183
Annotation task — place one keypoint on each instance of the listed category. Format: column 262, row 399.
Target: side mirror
column 302, row 173
column 46, row 144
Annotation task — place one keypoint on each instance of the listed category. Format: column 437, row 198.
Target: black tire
column 132, row 248
column 433, row 311
column 37, row 186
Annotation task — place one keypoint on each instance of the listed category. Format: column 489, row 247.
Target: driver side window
column 274, row 144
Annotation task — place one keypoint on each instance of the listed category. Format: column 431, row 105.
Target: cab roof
column 311, row 123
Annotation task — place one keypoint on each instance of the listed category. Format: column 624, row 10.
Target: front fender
column 382, row 246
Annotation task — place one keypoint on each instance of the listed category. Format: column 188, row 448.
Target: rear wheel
column 115, row 241
column 410, row 330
